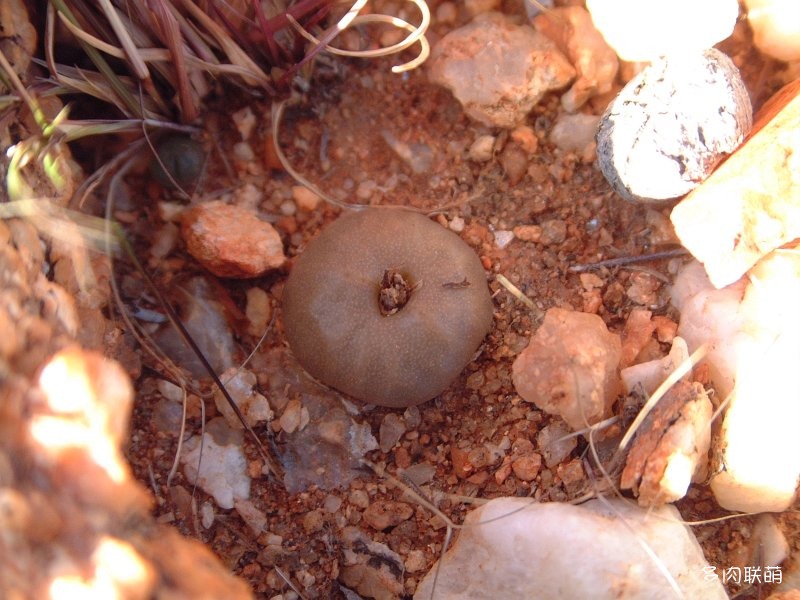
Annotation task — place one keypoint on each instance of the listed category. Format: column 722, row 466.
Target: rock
column 518, row 548
column 383, row 514
column 369, row 567
column 258, row 311
column 514, row 161
column 671, row 446
column 637, row 332
column 482, row 149
column 528, row 233
column 223, row 467
column 570, row 367
column 575, row 133
column 644, row 31
column 752, row 329
column 295, row 416
column 554, row 231
column 503, row 238
column 254, row 407
column 776, row 27
column 498, row 70
column 204, row 317
column 553, row 443
column 671, row 125
column 304, row 198
column 753, row 198
column 256, row 519
column 571, row 28
column 526, row 466
column 391, row 430
column 647, row 376
column 230, row 241
column 768, row 545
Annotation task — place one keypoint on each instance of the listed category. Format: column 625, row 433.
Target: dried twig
column 628, row 260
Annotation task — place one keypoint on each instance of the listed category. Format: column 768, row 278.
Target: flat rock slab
column 517, row 548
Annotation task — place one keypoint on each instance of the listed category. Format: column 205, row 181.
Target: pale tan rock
column 305, row 199
column 387, row 513
column 602, row 549
column 751, row 204
column 637, row 332
column 643, row 31
column 752, row 331
column 776, row 27
column 570, row 367
column 671, row 446
column 230, row 241
column 596, row 63
column 498, row 70
column 254, row 407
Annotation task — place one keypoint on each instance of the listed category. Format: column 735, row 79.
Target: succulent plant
column 386, row 306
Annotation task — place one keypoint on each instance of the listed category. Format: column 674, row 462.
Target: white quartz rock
column 518, row 548
column 752, row 328
column 223, row 466
column 642, row 31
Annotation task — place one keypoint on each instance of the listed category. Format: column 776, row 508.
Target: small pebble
column 295, row 416
column 447, row 13
column 243, row 152
column 552, row 445
column 574, row 133
column 332, row 503
column 304, row 198
column 476, row 7
column 421, row 473
column 527, row 466
column 415, row 561
column 169, row 390
column 570, row 367
column 554, row 231
column 206, row 515
column 387, row 513
column 457, row 224
column 514, row 161
column 413, row 417
column 525, row 138
column 528, row 233
column 359, row 498
column 245, row 120
column 288, row 208
column 503, row 238
column 314, row 520
column 230, row 241
column 258, row 311
column 391, row 430
column 590, row 281
column 482, row 149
